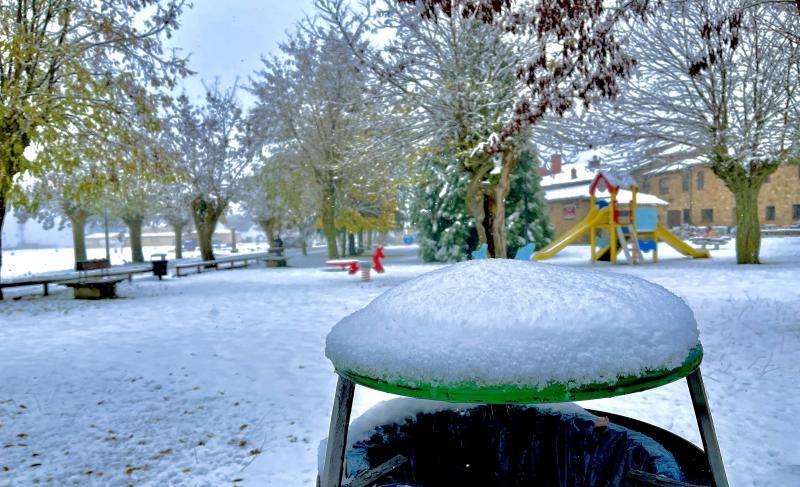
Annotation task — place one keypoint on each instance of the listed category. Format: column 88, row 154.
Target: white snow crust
column 506, row 322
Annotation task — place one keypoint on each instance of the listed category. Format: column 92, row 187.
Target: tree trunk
column 178, row 229
column 205, row 215
column 476, row 208
column 329, row 221
column 360, row 241
column 2, row 220
column 77, row 221
column 369, row 240
column 205, row 240
column 135, row 229
column 13, row 142
column 499, row 194
column 351, row 244
column 233, row 241
column 748, row 228
column 304, row 247
column 476, row 205
column 487, row 224
column 745, row 186
column 268, row 225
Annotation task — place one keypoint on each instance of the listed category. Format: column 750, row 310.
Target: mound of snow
column 506, row 322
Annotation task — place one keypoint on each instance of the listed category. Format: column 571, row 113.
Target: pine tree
column 526, row 188
column 445, row 230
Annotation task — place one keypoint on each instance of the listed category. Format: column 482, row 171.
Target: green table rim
column 552, row 393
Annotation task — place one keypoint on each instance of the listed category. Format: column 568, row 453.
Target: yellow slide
column 595, row 216
column 665, row 235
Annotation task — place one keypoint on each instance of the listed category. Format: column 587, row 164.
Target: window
column 770, row 213
column 646, row 185
column 686, row 182
column 700, row 179
column 687, row 216
column 663, row 186
column 795, row 212
column 707, row 215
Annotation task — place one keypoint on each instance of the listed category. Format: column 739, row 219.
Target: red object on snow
column 376, row 260
column 353, row 265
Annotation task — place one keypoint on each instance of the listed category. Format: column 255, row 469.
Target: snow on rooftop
column 619, row 179
column 502, row 322
column 582, row 192
column 582, row 174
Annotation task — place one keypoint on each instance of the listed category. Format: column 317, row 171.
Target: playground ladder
column 634, row 253
column 637, row 251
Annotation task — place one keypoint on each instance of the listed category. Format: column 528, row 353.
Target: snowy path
column 221, row 379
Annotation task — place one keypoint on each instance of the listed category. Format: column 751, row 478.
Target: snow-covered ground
column 221, row 378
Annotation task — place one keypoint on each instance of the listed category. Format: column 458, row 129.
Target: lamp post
column 105, row 226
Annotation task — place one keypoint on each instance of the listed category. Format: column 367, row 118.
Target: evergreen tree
column 526, row 188
column 445, row 230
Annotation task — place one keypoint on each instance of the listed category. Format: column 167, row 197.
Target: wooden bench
column 275, row 257
column 706, row 241
column 230, row 262
column 94, row 287
column 86, row 271
column 31, row 281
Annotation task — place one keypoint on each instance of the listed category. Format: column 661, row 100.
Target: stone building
column 697, row 197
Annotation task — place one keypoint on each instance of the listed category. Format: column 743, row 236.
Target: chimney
column 555, row 164
column 594, row 162
column 574, row 173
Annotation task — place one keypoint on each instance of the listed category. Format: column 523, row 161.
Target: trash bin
column 513, row 445
column 159, row 265
column 481, row 332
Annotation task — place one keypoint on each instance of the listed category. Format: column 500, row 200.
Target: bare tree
column 210, row 158
column 475, row 76
column 311, row 102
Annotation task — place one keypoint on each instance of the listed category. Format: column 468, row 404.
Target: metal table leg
column 337, row 434
column 697, row 391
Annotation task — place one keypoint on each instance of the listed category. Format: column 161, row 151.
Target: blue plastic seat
column 481, row 252
column 526, row 252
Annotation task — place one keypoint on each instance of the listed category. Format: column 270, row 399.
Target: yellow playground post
column 626, row 228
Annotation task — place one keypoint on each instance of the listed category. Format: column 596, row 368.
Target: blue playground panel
column 526, row 252
column 646, row 219
column 481, row 252
column 647, row 245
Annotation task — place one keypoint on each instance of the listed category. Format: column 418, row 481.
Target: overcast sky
column 226, row 38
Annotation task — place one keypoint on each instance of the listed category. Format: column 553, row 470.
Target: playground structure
column 626, row 228
column 354, row 265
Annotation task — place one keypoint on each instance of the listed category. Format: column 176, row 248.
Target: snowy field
column 221, row 378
